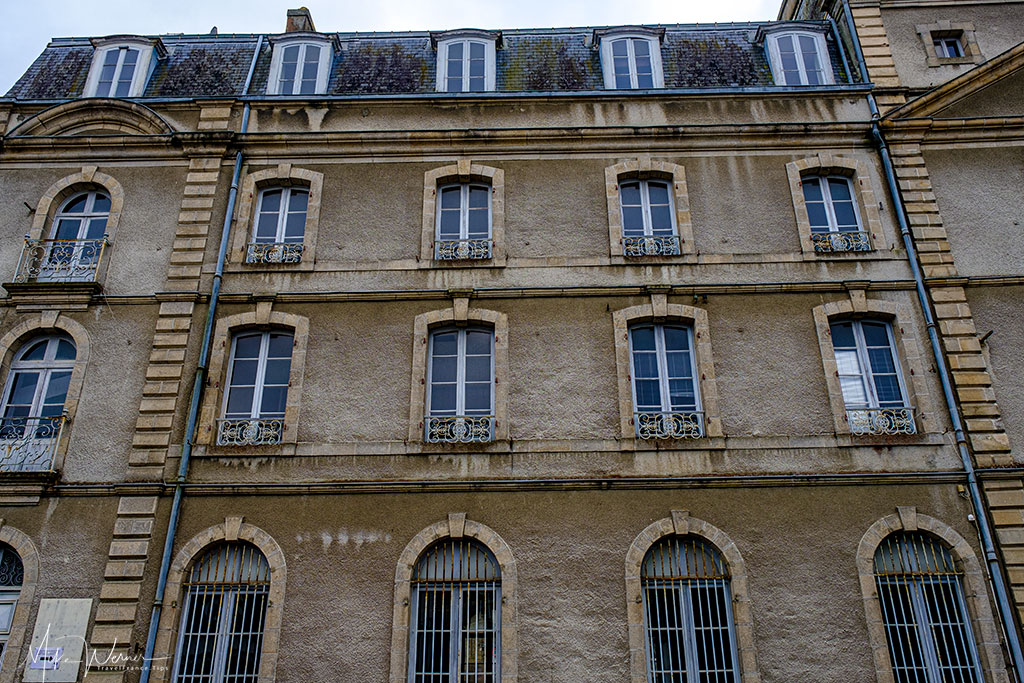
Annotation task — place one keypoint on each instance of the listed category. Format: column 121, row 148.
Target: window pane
column 632, row 220
column 57, row 388
column 619, row 48
column 277, row 371
column 676, row 339
column 479, row 224
column 478, row 398
column 842, row 334
column 648, row 394
column 643, row 338
column 661, row 219
column 854, row 394
column 274, row 399
column 244, row 372
column 101, row 204
column 65, row 350
column 478, row 342
column 476, row 50
column 641, row 48
column 681, row 394
column 845, row 216
column 876, row 334
column 848, row 362
column 298, row 201
column 679, row 365
column 295, row 225
column 478, row 197
column 239, row 402
column 266, row 228
column 445, row 344
column 816, row 215
column 451, row 197
column 248, row 346
column 67, row 229
column 442, row 398
column 478, row 369
column 645, row 365
column 23, row 388
column 271, row 201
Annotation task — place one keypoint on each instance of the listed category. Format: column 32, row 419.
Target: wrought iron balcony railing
column 651, row 245
column 881, row 420
column 250, row 431
column 28, row 444
column 60, row 260
column 458, row 250
column 669, row 425
column 834, row 242
column 460, row 429
column 274, row 252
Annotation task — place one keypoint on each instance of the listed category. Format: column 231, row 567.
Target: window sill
column 953, row 61
column 492, row 262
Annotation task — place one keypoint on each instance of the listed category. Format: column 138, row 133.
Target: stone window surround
column 283, row 175
column 983, row 624
column 26, row 549
column 911, row 360
column 43, row 323
column 89, row 178
column 463, row 171
column 659, row 310
column 949, row 29
column 455, row 526
column 459, row 315
column 864, row 195
column 642, row 169
column 262, row 318
column 231, row 529
column 679, row 523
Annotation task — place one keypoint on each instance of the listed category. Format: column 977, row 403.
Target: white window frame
column 282, row 214
column 830, row 212
column 608, row 62
column 259, row 383
column 489, row 62
column 645, row 203
column 274, row 86
column 460, row 368
column 143, row 68
column 942, row 43
column 867, row 372
column 775, row 59
column 662, row 357
column 45, row 368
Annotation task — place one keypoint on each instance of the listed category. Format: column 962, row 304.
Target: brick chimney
column 299, row 20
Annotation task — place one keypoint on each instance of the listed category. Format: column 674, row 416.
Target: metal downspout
column 197, row 387
column 1005, row 604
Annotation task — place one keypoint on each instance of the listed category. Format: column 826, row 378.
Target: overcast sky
column 29, row 24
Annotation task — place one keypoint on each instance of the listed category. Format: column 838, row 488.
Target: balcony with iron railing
column 651, row 245
column 274, row 252
column 250, row 431
column 680, row 424
column 459, row 429
column 60, row 261
column 29, row 444
column 462, row 250
column 840, row 242
column 881, row 421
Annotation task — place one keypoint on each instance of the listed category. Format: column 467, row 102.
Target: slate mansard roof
column 527, row 60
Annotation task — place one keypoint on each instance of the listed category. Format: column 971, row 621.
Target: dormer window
column 299, row 66
column 465, row 61
column 799, row 58
column 121, row 68
column 631, row 59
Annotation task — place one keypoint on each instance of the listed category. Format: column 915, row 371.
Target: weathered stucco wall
column 978, row 192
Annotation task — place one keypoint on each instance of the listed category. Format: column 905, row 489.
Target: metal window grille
column 926, row 625
column 12, row 575
column 455, row 634
column 221, row 635
column 688, row 613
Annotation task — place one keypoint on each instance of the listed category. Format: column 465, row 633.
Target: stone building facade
column 291, row 317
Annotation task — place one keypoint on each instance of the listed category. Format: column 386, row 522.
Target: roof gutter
column 197, row 389
column 996, row 577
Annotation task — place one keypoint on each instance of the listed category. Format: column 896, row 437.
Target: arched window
column 259, row 372
column 666, row 400
column 463, row 222
column 648, row 218
column 460, row 392
column 225, row 607
column 687, row 613
column 923, row 609
column 455, row 633
column 280, row 226
column 799, row 58
column 33, row 404
column 12, row 575
column 76, row 242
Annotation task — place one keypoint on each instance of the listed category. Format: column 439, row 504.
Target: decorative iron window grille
column 462, row 250
column 221, row 635
column 60, row 260
column 669, row 425
column 460, row 429
column 652, row 245
column 274, row 252
column 455, row 620
column 250, row 432
column 29, row 444
column 881, row 421
column 664, row 376
column 835, row 242
column 12, row 576
column 923, row 611
column 688, row 613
